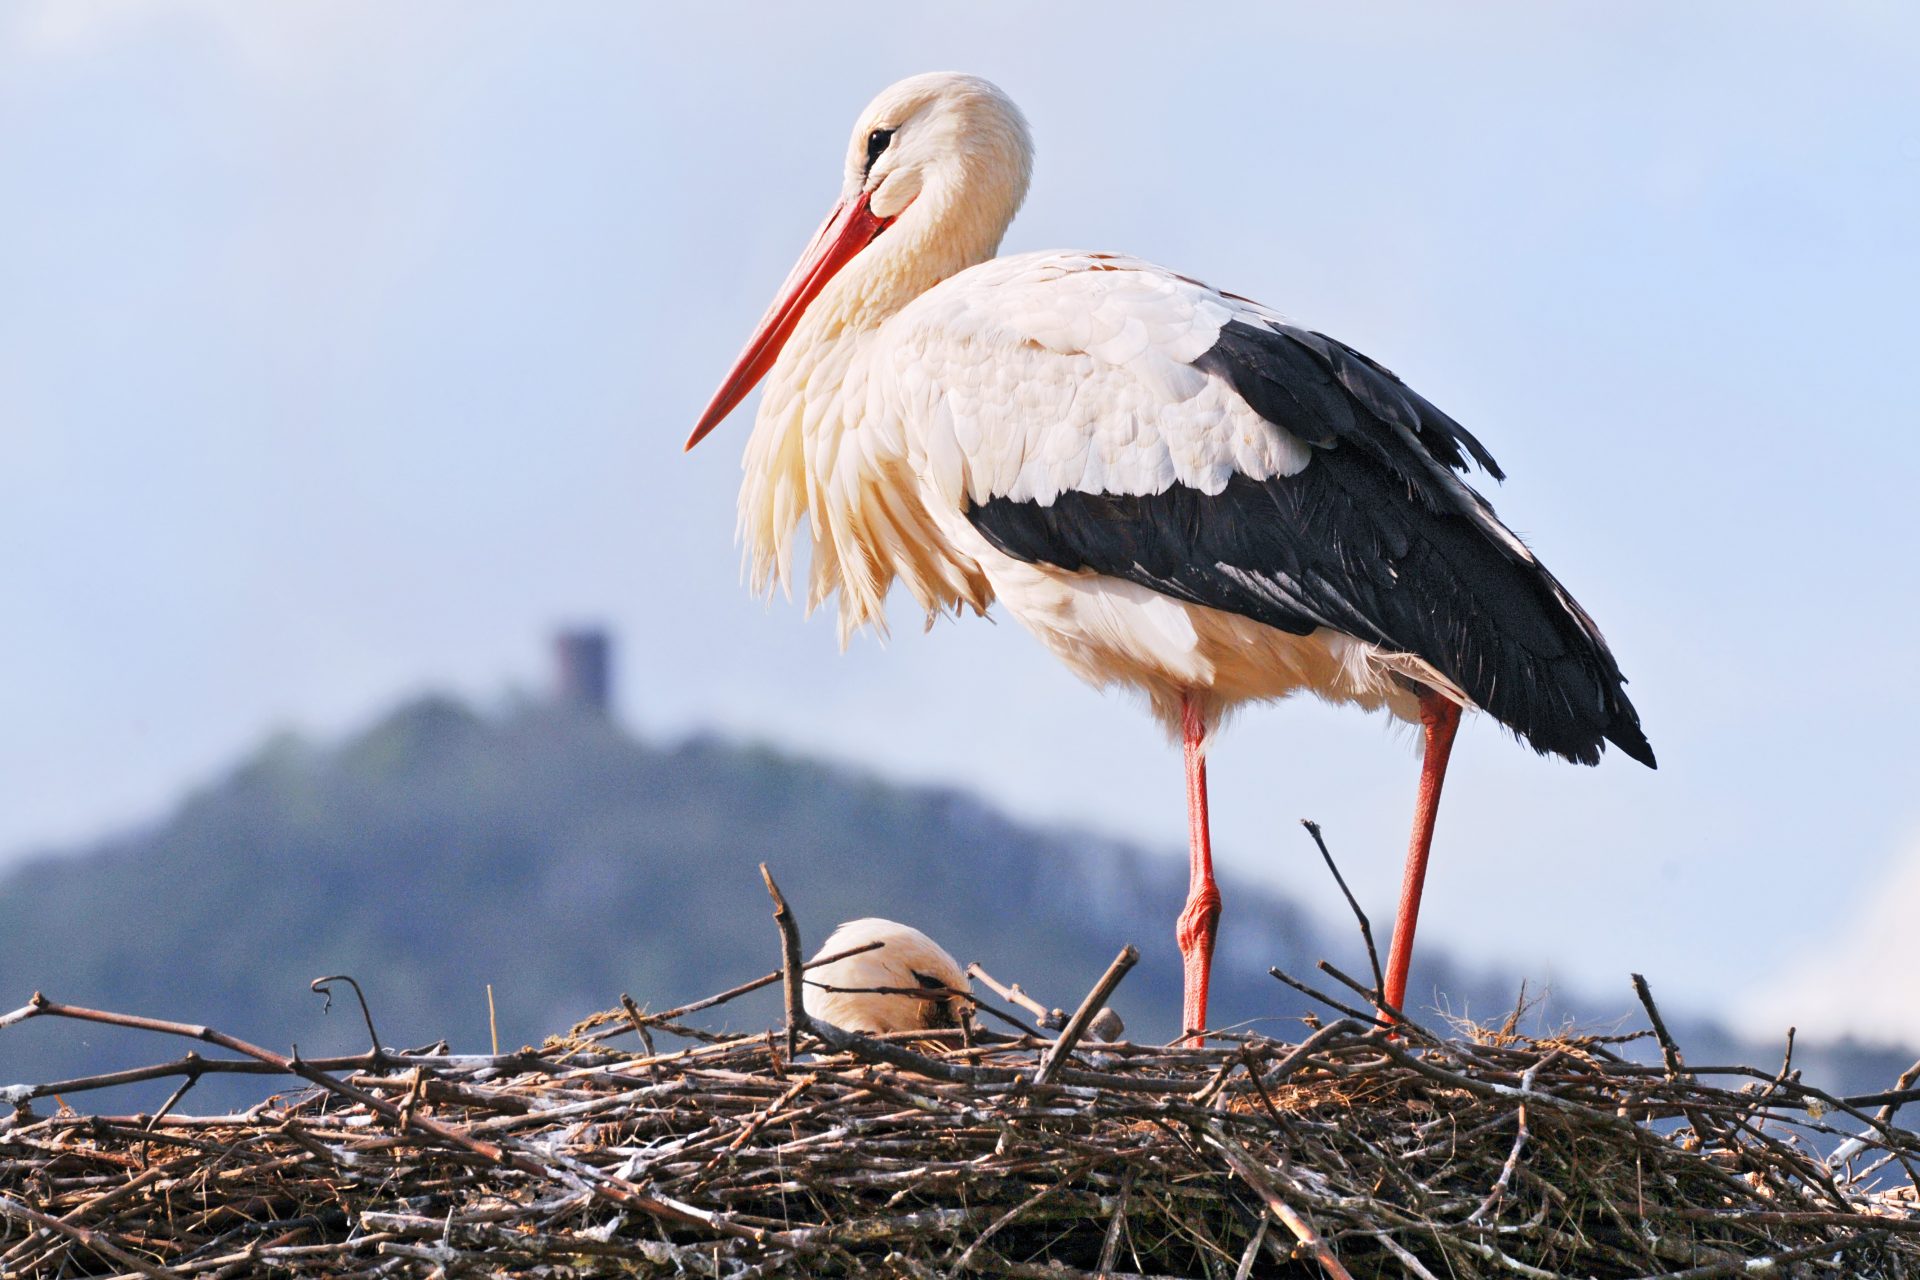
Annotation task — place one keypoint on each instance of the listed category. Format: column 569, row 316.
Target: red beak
column 850, row 228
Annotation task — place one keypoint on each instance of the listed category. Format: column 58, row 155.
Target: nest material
column 1357, row 1151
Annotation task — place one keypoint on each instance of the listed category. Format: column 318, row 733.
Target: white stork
column 877, row 990
column 1176, row 489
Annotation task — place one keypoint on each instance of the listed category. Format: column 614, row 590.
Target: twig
column 1327, row 1000
column 1366, row 928
column 173, row 1099
column 638, row 1021
column 1527, row 1080
column 1401, row 1024
column 790, row 964
column 1769, row 1265
column 1084, row 1015
column 734, row 993
column 1902, row 1092
column 320, row 986
column 1404, row 1256
column 1252, row 1252
column 1044, row 1018
column 1703, row 1125
column 1669, row 1051
column 1303, row 1231
column 1110, row 1242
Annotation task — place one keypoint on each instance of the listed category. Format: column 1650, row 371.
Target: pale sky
column 346, row 348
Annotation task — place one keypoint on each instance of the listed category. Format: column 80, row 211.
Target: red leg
column 1202, row 912
column 1439, row 718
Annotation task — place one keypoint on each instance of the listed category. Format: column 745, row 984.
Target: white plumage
column 872, row 991
column 1028, row 376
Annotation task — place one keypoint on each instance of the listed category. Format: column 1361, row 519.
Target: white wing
column 1032, row 375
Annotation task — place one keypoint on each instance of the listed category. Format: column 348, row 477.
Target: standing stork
column 1175, row 489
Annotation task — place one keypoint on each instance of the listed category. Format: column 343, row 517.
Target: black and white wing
column 1098, row 413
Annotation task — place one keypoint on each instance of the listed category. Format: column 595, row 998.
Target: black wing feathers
column 1373, row 537
column 1328, row 394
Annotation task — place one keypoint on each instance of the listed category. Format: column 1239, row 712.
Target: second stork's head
column 936, row 168
column 909, row 983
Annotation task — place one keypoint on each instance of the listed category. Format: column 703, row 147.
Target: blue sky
column 346, row 348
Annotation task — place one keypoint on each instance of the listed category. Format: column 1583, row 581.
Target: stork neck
column 934, row 239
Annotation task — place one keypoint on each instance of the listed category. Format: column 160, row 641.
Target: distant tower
column 583, row 664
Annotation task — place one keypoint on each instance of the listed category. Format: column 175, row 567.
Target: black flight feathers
column 1373, row 537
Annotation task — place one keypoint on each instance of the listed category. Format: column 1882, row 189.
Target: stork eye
column 928, row 981
column 876, row 143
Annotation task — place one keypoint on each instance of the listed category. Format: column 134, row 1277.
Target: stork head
column 880, row 990
column 956, row 139
column 935, row 170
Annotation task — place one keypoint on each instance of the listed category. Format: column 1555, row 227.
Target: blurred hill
column 547, row 852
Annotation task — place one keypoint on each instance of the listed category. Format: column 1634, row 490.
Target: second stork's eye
column 876, row 143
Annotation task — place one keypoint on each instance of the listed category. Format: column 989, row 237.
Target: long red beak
column 850, row 228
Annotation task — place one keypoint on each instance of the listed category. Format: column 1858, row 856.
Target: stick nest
column 1356, row 1151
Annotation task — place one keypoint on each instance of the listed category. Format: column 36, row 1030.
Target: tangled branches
column 1360, row 1150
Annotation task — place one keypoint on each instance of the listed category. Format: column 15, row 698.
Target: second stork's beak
column 850, row 228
